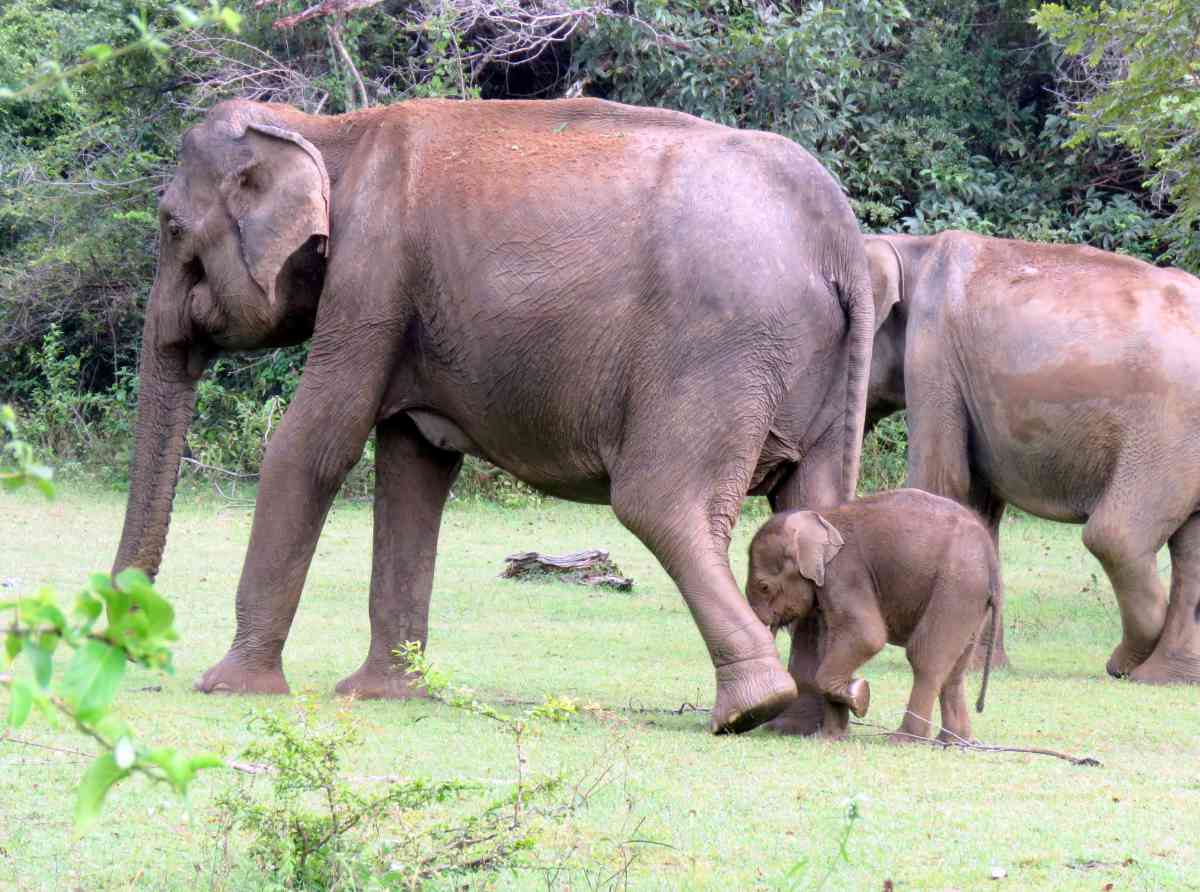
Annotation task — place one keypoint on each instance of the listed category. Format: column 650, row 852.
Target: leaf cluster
column 1135, row 77
column 113, row 623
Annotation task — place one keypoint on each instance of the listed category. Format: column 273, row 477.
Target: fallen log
column 591, row 567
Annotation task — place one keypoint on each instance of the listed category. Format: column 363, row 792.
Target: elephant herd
column 636, row 307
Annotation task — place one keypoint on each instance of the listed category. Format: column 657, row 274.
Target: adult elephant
column 616, row 304
column 1064, row 380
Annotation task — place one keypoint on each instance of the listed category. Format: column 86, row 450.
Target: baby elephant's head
column 787, row 564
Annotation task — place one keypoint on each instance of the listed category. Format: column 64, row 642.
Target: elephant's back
column 1076, row 362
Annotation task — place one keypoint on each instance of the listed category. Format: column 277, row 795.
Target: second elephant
column 1064, row 380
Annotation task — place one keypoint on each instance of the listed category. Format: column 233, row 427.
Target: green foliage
column 17, row 465
column 149, row 41
column 932, row 114
column 1138, row 64
column 138, row 625
column 317, row 830
column 885, row 455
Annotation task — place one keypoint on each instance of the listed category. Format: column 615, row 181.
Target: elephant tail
column 860, row 307
column 994, row 590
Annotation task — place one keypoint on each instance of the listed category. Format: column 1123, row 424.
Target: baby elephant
column 902, row 567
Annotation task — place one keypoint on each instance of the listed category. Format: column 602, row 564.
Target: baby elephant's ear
column 815, row 542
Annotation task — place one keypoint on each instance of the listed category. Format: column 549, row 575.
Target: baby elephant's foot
column 858, row 697
column 952, row 738
column 906, row 737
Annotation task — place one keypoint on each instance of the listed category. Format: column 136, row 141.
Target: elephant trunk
column 860, row 306
column 166, row 401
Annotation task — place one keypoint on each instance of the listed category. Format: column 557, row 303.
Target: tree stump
column 591, row 567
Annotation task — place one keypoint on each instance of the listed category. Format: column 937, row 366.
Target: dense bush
column 933, row 114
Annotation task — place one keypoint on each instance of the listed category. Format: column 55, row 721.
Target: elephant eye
column 174, row 228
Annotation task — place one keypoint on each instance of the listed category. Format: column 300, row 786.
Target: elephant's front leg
column 844, row 652
column 412, row 482
column 319, row 440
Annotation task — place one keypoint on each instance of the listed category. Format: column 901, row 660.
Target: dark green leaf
column 116, row 600
column 92, row 678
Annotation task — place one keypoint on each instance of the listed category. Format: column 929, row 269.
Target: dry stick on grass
column 8, row 738
column 962, row 743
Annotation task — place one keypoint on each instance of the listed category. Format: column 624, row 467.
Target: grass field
column 691, row 810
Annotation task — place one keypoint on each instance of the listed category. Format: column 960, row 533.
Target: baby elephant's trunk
column 991, row 636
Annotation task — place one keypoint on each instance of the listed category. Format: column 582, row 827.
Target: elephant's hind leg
column 690, row 537
column 1176, row 657
column 933, row 664
column 412, row 481
column 1128, row 553
column 956, row 719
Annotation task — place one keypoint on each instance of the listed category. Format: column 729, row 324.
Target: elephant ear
column 815, row 542
column 278, row 192
column 887, row 277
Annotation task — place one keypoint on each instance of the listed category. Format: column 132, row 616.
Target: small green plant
column 794, row 878
column 318, row 830
column 324, row 829
column 440, row 687
column 138, row 625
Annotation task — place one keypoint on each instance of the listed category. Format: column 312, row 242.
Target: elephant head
column 243, row 230
column 788, row 557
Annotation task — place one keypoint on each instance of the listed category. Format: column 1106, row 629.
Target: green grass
column 729, row 813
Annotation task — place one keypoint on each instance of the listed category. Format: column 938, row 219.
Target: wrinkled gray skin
column 1065, row 380
column 903, row 567
column 616, row 304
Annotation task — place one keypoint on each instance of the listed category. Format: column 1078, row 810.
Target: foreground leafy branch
column 149, row 41
column 1136, row 73
column 113, row 623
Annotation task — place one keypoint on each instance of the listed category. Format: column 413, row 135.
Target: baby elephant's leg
column 836, row 721
column 845, row 651
column 956, row 720
column 932, row 663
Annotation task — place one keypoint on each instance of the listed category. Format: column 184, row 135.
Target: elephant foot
column 835, row 724
column 234, row 676
column 858, row 697
column 750, row 693
column 952, row 739
column 801, row 718
column 381, row 683
column 904, row 738
column 1168, row 668
column 1126, row 658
